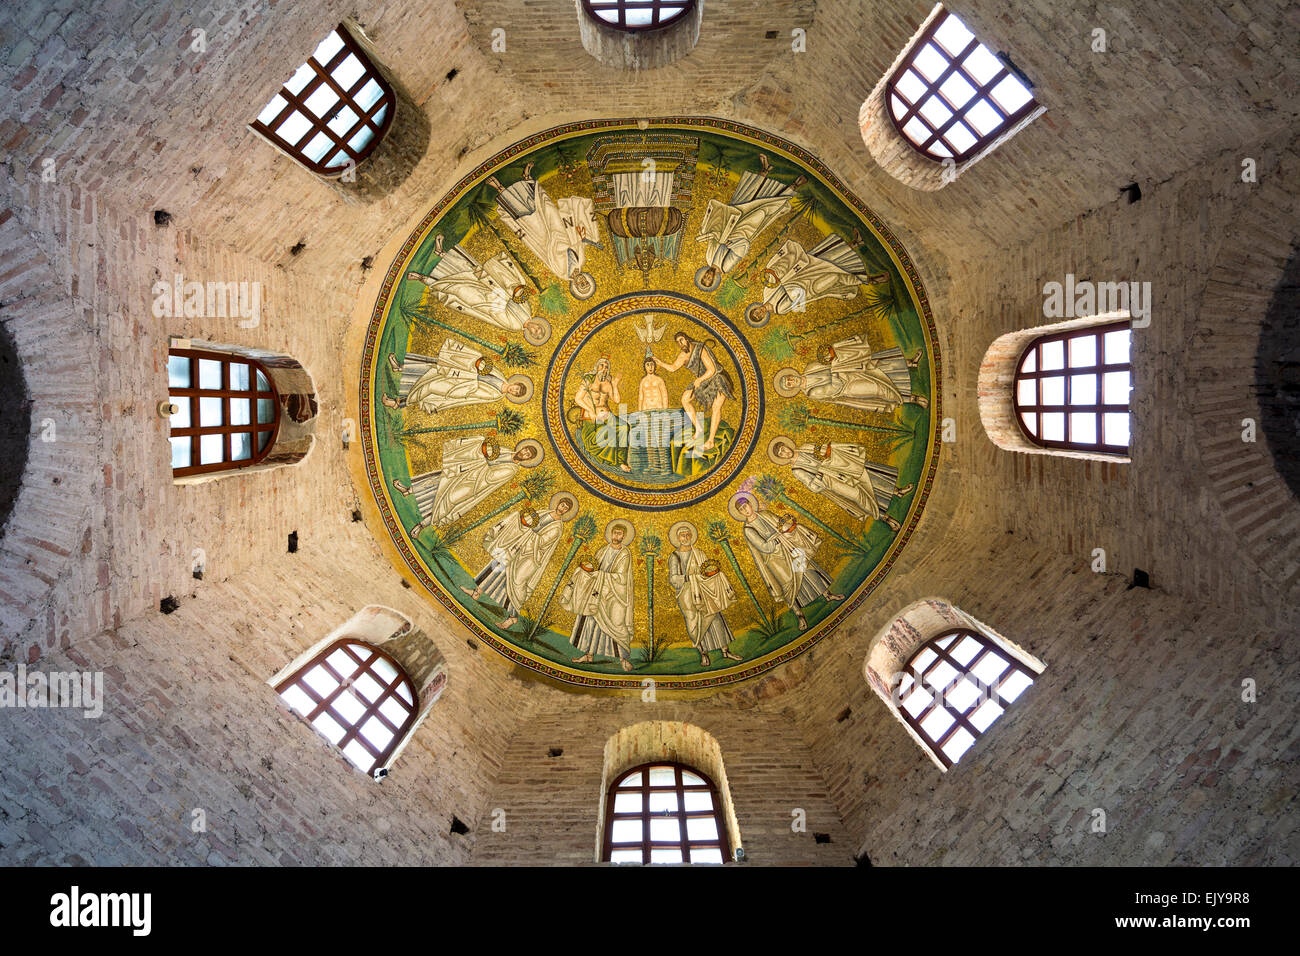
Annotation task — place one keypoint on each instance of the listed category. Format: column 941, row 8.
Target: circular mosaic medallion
column 650, row 402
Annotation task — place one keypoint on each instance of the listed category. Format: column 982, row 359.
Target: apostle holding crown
column 840, row 472
column 848, row 373
column 703, row 593
column 600, row 595
column 472, row 468
column 521, row 546
column 491, row 291
column 782, row 550
column 459, row 376
column 729, row 228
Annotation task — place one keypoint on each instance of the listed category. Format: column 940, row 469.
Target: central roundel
column 653, row 400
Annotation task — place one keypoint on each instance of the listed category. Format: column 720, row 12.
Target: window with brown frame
column 227, row 411
column 634, row 15
column 951, row 96
column 955, row 686
column 1072, row 389
column 356, row 697
column 333, row 111
column 664, row 813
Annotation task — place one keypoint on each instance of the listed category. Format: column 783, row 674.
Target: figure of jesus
column 654, row 390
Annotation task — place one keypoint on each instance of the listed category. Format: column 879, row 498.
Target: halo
column 533, row 339
column 678, row 526
column 564, row 496
column 699, row 279
column 778, row 442
column 526, row 382
column 629, row 532
column 782, row 390
column 735, row 500
column 757, row 315
column 533, row 462
column 575, row 282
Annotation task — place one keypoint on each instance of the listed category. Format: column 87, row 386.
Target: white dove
column 648, row 333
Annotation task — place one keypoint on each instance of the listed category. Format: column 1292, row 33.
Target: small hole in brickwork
column 356, row 514
column 198, row 575
column 1133, row 191
column 298, row 247
column 822, row 837
column 293, row 542
column 472, row 645
column 862, row 859
column 452, row 73
column 555, row 752
column 406, row 584
column 161, row 217
column 1140, row 579
column 367, row 263
column 843, row 715
column 457, row 826
column 168, row 604
column 770, row 35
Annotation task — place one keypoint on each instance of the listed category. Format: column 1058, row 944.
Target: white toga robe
column 602, row 600
column 448, row 381
column 730, row 228
column 785, row 561
column 556, row 232
column 845, row 477
column 519, row 557
column 830, row 270
column 702, row 600
column 464, row 480
column 485, row 291
column 858, row 378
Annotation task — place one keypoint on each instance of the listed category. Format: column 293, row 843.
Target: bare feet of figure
column 392, row 363
column 803, row 621
column 506, row 623
column 905, row 490
column 584, row 659
column 390, row 401
column 624, row 468
column 704, row 660
column 730, row 656
column 835, row 597
column 915, row 360
column 472, row 592
column 627, row 665
column 920, row 400
column 404, row 489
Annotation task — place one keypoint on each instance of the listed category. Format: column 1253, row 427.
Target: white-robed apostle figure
column 730, row 228
column 472, row 468
column 703, row 593
column 600, row 596
column 795, row 278
column 840, row 472
column 557, row 231
column 848, row 373
column 492, row 291
column 521, row 546
column 783, row 551
column 456, row 377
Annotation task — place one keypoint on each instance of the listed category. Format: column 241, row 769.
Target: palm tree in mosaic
column 534, row 488
column 718, row 532
column 480, row 207
column 584, row 528
column 797, row 418
column 654, row 645
column 804, row 205
column 507, row 422
column 772, row 489
column 421, row 314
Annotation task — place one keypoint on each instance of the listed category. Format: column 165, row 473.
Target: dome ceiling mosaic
column 650, row 400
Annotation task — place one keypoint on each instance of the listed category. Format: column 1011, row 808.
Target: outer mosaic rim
column 589, row 680
column 649, row 499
